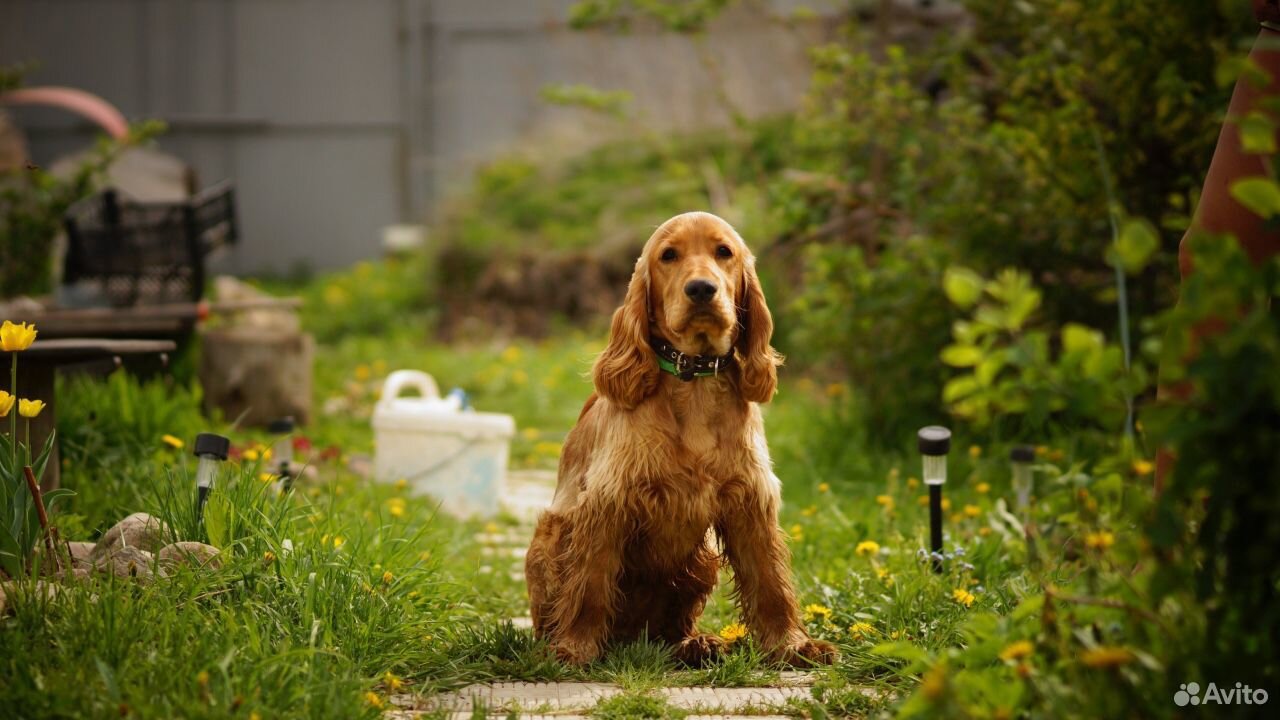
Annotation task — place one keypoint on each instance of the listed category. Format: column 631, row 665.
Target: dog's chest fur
column 676, row 507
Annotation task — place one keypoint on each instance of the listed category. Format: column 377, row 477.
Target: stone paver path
column 570, row 699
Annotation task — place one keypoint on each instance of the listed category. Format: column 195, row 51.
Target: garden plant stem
column 34, row 487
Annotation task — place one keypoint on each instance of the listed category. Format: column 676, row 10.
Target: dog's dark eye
column 669, row 254
column 724, row 251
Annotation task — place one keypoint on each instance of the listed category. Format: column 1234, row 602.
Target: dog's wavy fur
column 661, row 480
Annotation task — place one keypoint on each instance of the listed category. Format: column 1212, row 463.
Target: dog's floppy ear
column 758, row 360
column 627, row 371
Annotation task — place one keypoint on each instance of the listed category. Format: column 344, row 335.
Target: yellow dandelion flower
column 884, row 575
column 809, row 511
column 255, row 715
column 962, row 596
column 424, row 556
column 492, row 528
column 975, row 452
column 387, row 577
column 885, row 500
column 373, row 699
column 16, row 338
column 338, row 540
column 1100, row 540
column 392, row 682
column 268, row 557
column 266, row 477
column 734, row 632
column 530, row 433
column 402, row 485
column 395, row 507
column 1017, row 650
column 1042, row 450
column 251, row 455
column 547, row 448
column 813, row 611
column 913, row 483
column 511, row 354
column 1106, row 657
column 362, row 372
column 922, row 500
column 946, row 504
column 983, row 488
column 1143, row 467
column 30, row 408
column 797, row 532
column 983, row 532
column 956, row 518
column 174, row 442
column 861, row 630
column 824, row 487
column 972, row 511
column 867, row 548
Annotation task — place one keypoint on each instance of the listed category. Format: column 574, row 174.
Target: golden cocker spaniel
column 669, row 447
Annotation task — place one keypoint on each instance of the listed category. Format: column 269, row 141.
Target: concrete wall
column 338, row 117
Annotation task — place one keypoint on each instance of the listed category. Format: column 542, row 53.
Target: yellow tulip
column 30, row 408
column 16, row 338
column 6, row 403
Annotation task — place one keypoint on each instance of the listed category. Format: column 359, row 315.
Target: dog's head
column 695, row 285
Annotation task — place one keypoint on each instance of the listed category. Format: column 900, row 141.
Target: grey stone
column 80, row 552
column 139, row 531
column 194, row 554
column 126, row 561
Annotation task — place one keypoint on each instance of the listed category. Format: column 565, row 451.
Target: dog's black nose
column 699, row 290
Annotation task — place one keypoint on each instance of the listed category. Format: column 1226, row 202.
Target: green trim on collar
column 668, row 366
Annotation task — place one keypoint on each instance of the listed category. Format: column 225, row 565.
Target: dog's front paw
column 575, row 652
column 698, row 649
column 808, row 653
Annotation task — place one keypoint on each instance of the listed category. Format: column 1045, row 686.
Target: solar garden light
column 282, row 450
column 1021, row 457
column 212, row 450
column 935, row 442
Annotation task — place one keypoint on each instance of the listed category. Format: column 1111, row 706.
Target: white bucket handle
column 399, row 380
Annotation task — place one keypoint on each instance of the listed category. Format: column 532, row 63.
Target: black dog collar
column 688, row 367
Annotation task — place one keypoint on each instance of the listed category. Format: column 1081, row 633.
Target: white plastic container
column 457, row 456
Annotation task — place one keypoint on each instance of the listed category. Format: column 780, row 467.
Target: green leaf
column 1078, row 338
column 901, row 650
column 1135, row 245
column 1261, row 195
column 1028, row 607
column 961, row 355
column 962, row 286
column 1258, row 133
column 959, row 387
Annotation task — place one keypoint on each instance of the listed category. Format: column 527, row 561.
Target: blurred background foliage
column 1007, row 142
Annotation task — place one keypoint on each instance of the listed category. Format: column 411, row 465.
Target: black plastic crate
column 147, row 253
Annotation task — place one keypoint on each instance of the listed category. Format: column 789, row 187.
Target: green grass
column 380, row 592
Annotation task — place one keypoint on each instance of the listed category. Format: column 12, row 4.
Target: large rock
column 140, row 531
column 126, row 561
column 197, row 555
column 81, row 553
